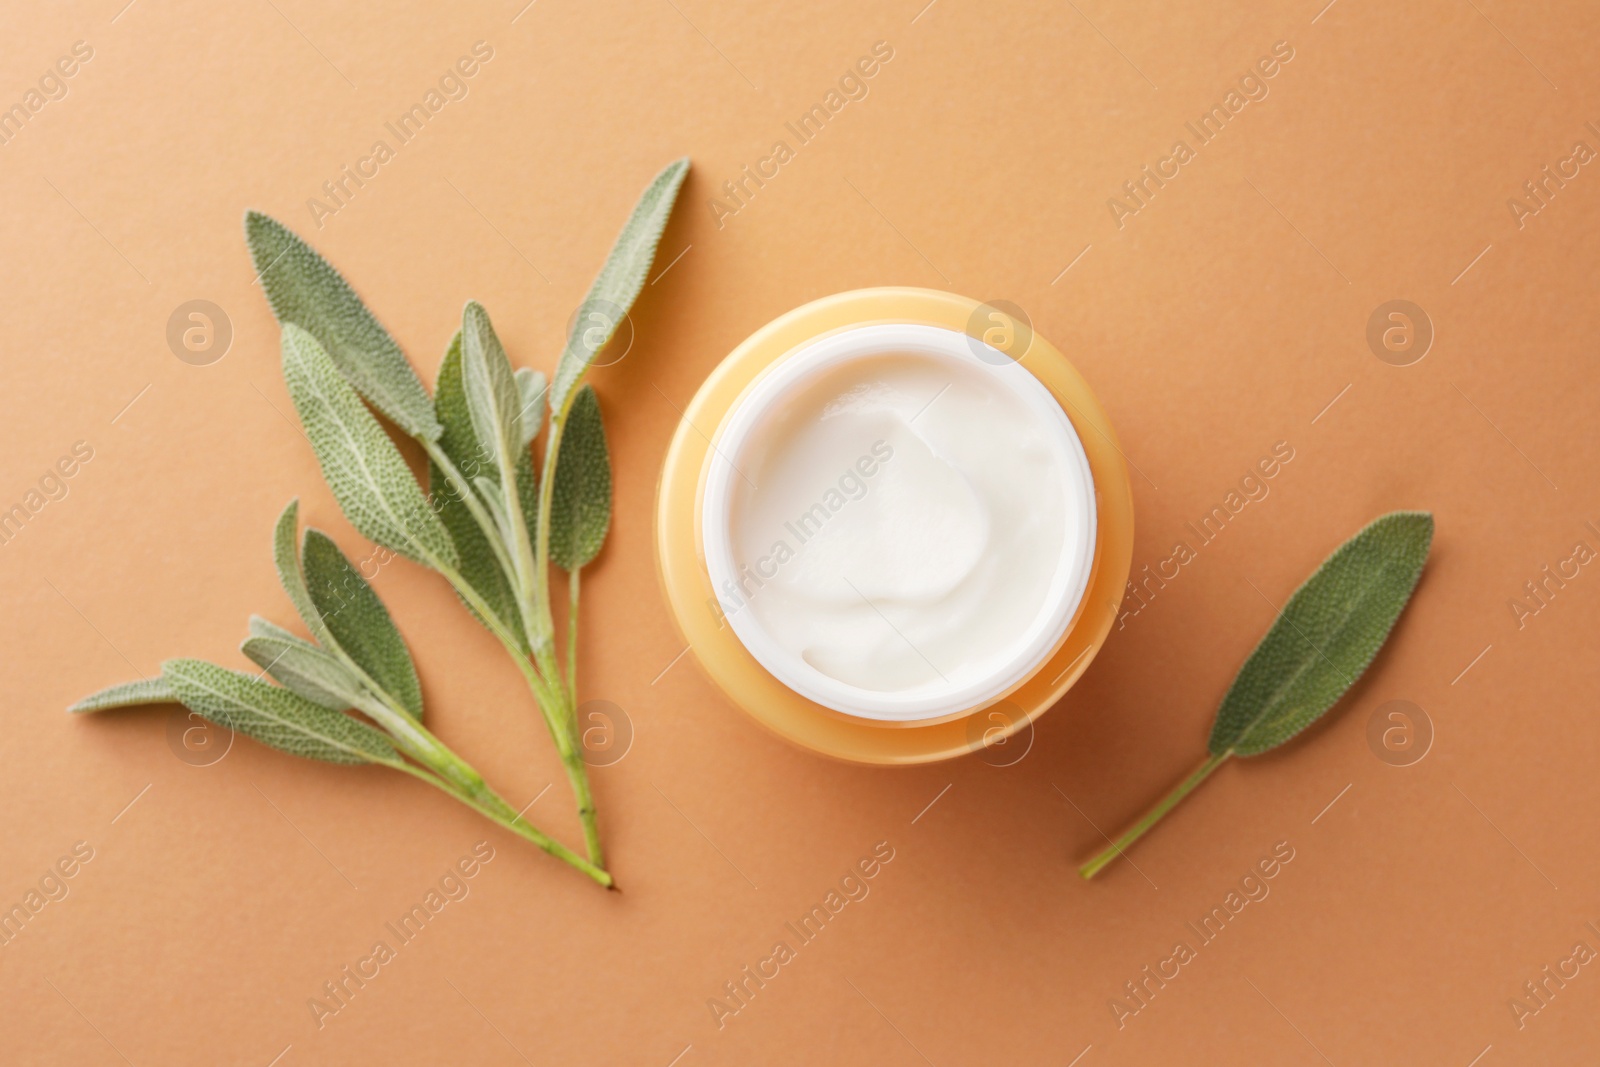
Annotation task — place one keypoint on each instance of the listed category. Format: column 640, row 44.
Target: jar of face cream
column 894, row 525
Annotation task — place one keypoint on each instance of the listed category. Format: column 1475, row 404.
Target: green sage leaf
column 359, row 622
column 618, row 284
column 297, row 664
column 528, row 493
column 286, row 555
column 127, row 695
column 494, row 400
column 478, row 563
column 1325, row 637
column 274, row 715
column 260, row 627
column 531, row 385
column 303, row 288
column 580, row 502
column 360, row 463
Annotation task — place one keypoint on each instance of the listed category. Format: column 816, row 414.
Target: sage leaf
column 362, row 466
column 319, row 676
column 580, row 503
column 274, row 715
column 528, row 493
column 260, row 627
column 359, row 622
column 303, row 288
column 494, row 400
column 1322, row 641
column 1325, row 636
column 286, row 555
column 618, row 284
column 531, row 385
column 531, row 390
column 127, row 695
column 478, row 563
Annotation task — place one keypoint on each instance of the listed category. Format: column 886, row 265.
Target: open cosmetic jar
column 894, row 526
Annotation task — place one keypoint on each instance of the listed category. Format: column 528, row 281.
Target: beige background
column 1225, row 316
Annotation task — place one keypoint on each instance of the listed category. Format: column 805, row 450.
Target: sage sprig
column 356, row 661
column 491, row 521
column 1322, row 641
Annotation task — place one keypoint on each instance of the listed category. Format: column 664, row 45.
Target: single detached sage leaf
column 618, row 284
column 580, row 504
column 359, row 622
column 127, row 695
column 1322, row 641
column 304, row 289
column 275, row 716
column 1325, row 636
column 478, row 563
column 361, row 465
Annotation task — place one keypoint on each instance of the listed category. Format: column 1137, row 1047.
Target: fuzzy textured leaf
column 618, row 284
column 275, row 716
column 127, row 695
column 286, row 555
column 359, row 622
column 361, row 465
column 304, row 668
column 580, row 503
column 478, row 565
column 303, row 288
column 1325, row 637
column 494, row 400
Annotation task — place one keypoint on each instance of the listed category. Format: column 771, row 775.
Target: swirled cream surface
column 907, row 524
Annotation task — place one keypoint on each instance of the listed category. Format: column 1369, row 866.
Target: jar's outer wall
column 724, row 659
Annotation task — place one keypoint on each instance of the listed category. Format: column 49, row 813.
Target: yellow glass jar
column 681, row 556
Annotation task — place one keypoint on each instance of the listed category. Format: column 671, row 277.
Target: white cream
column 902, row 529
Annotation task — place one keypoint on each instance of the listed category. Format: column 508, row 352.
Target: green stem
column 558, row 707
column 462, row 781
column 1151, row 817
column 469, row 497
column 560, row 718
column 541, row 551
column 491, row 806
column 572, row 635
column 572, row 756
column 578, row 775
